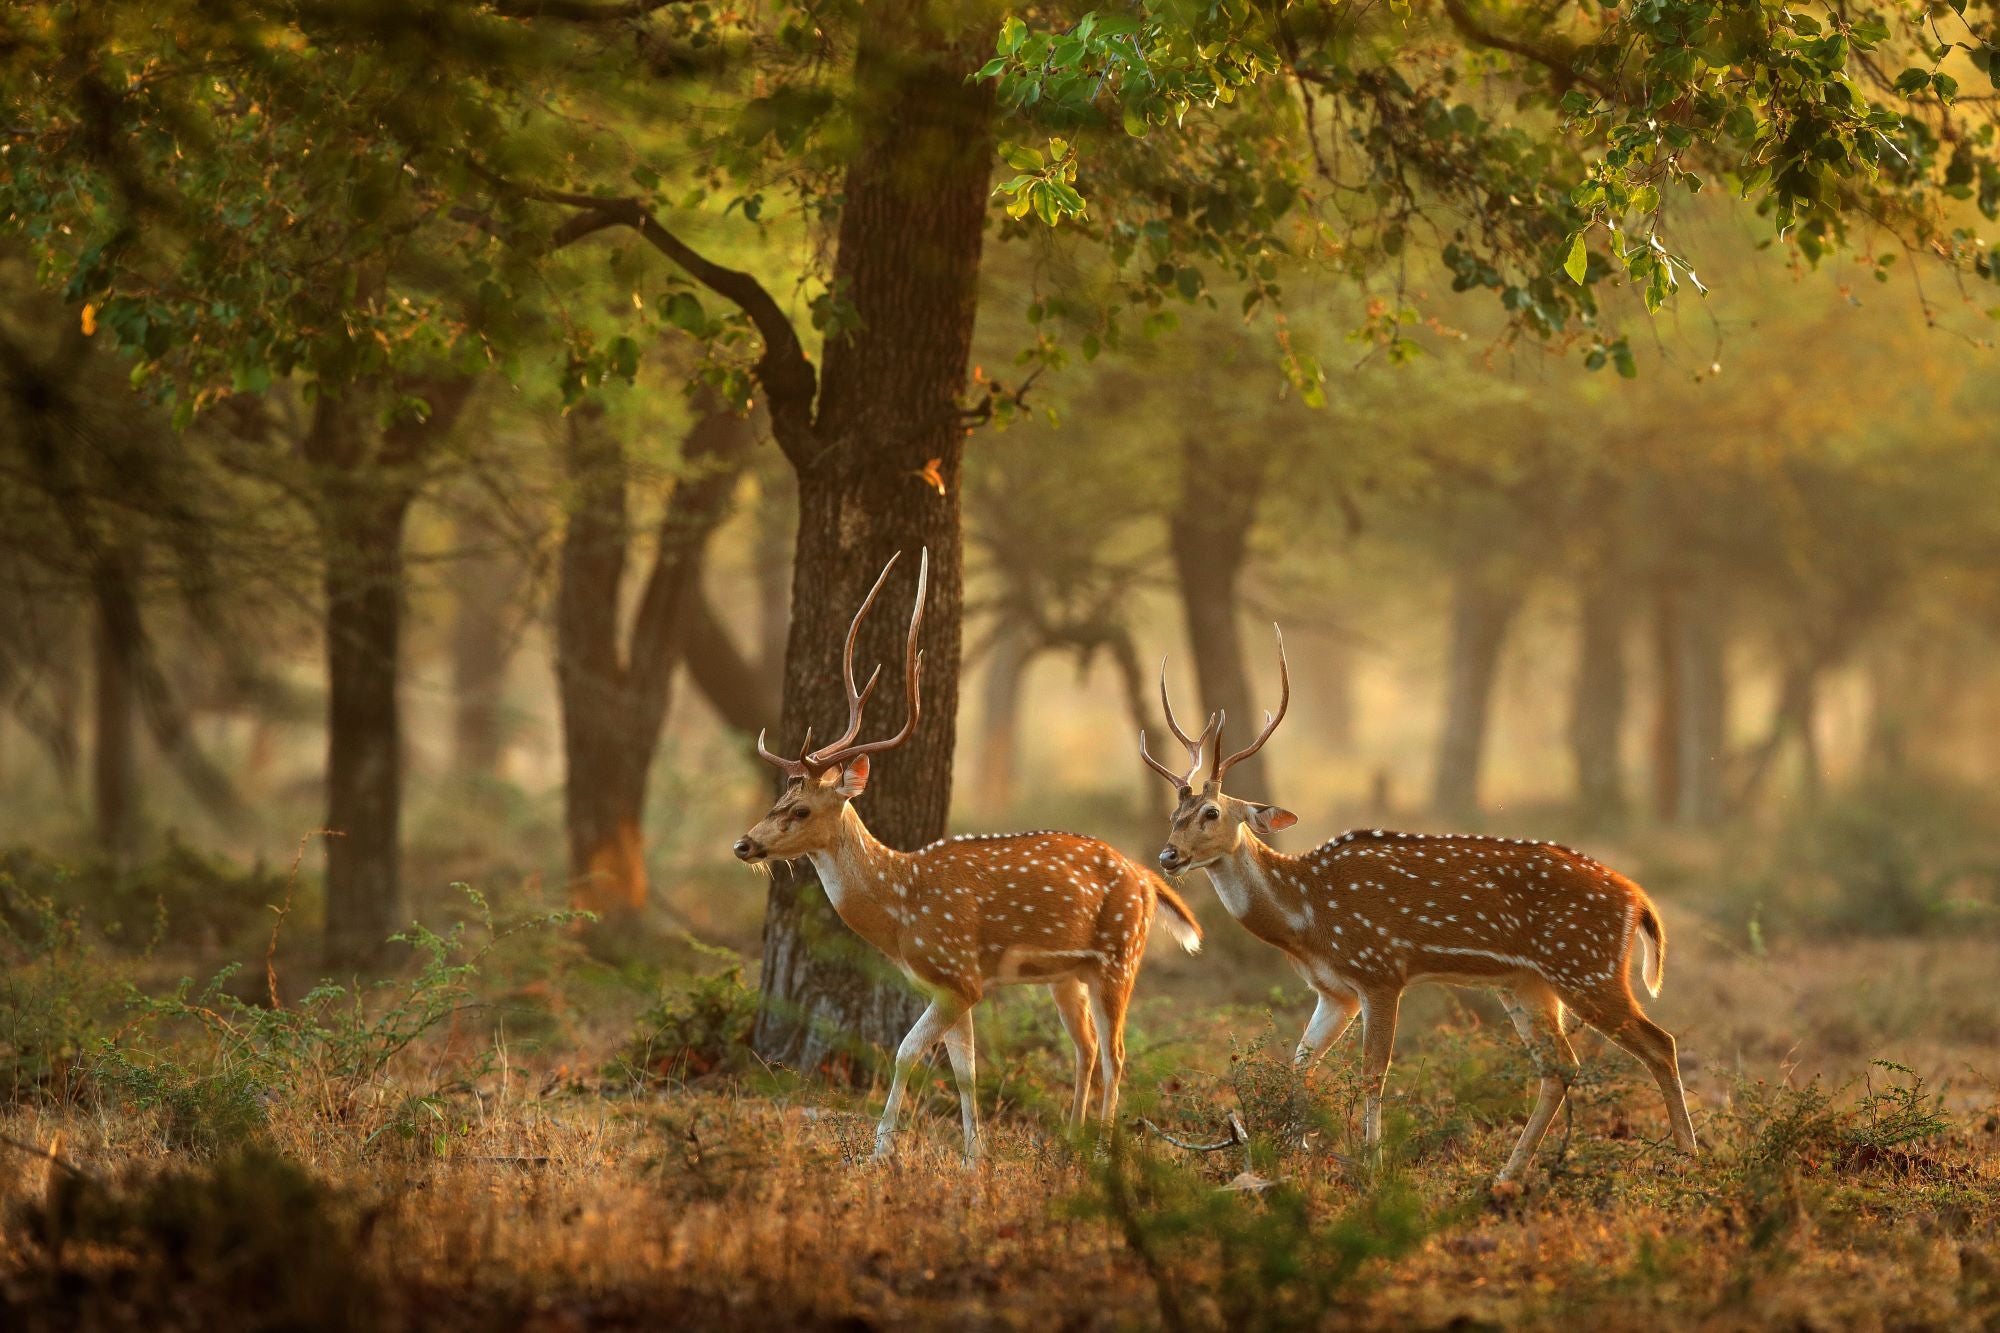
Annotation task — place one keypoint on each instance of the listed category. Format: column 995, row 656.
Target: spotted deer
column 972, row 912
column 1369, row 913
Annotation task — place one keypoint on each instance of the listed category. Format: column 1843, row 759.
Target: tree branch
column 1560, row 62
column 789, row 380
column 742, row 693
column 579, row 11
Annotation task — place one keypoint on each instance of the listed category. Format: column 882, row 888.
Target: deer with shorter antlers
column 970, row 912
column 1367, row 914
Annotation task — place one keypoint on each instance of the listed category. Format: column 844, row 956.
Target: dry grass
column 538, row 1196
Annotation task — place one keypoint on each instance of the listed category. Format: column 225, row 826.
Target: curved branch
column 1558, row 61
column 789, row 380
column 579, row 11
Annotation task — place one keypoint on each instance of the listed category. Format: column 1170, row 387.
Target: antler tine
column 857, row 700
column 1168, row 709
column 1194, row 746
column 1271, row 721
column 913, row 672
column 792, row 768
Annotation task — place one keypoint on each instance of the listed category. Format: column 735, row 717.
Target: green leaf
column 683, row 311
column 1578, row 262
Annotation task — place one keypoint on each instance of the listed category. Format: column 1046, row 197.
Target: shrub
column 1247, row 1259
column 332, row 1053
column 1882, row 859
column 248, row 1242
column 54, row 992
column 695, row 1026
column 180, row 896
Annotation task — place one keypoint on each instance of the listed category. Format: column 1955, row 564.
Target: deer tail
column 1178, row 919
column 1652, row 937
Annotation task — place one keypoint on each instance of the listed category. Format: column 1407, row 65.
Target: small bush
column 181, row 896
column 1884, row 859
column 332, row 1053
column 54, row 994
column 1248, row 1259
column 249, row 1242
column 696, row 1026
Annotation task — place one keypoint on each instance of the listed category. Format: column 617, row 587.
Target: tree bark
column 743, row 693
column 1597, row 717
column 1704, row 715
column 1013, row 649
column 1667, row 705
column 1209, row 535
column 911, row 230
column 367, row 479
column 1483, row 606
column 117, row 644
column 615, row 697
column 487, row 583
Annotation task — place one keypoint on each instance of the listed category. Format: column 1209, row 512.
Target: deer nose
column 745, row 849
column 1169, row 858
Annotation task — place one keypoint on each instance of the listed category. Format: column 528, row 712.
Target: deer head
column 821, row 782
column 1208, row 825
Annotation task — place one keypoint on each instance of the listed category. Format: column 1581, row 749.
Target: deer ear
column 852, row 778
column 1268, row 819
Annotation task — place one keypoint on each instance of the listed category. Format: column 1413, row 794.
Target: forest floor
column 214, row 1161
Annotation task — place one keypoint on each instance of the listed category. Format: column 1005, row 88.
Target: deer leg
column 958, row 1045
column 1537, row 1015
column 1073, row 1005
column 1331, row 1016
column 929, row 1029
column 1378, row 1043
column 1107, row 1008
column 1653, row 1046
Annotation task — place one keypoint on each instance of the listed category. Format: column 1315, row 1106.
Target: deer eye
column 1209, row 814
column 800, row 812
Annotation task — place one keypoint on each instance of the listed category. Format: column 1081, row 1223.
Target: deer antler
column 1194, row 744
column 1271, row 721
column 844, row 749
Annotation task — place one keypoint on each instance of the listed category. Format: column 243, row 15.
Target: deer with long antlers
column 1367, row 914
column 972, row 912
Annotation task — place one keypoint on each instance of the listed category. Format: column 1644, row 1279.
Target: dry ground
column 543, row 1194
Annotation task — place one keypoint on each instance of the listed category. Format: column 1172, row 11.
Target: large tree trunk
column 1704, row 712
column 911, row 229
column 1000, row 718
column 1209, row 534
column 487, row 582
column 615, row 698
column 117, row 644
column 367, row 480
column 1667, row 691
column 363, row 526
column 1483, row 606
column 1597, row 717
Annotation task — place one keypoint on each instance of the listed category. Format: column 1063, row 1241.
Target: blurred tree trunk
column 1014, row 647
column 1209, row 536
column 1666, row 746
column 744, row 694
column 1692, row 646
column 117, row 643
column 1483, row 606
column 367, row 478
column 1337, row 699
column 488, row 584
column 1597, row 716
column 615, row 698
column 912, row 224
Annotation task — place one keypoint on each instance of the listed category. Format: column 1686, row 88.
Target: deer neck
column 1259, row 886
column 860, row 876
